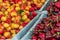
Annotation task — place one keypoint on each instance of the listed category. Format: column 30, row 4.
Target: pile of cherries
column 15, row 15
column 49, row 28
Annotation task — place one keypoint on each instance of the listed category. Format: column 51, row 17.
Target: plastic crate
column 22, row 32
column 29, row 33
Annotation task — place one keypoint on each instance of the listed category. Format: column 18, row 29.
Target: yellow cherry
column 27, row 20
column 27, row 8
column 14, row 25
column 17, row 8
column 23, row 13
column 13, row 31
column 7, row 34
column 6, row 12
column 6, row 25
column 13, row 18
column 9, row 10
column 13, row 14
column 24, row 17
column 17, row 5
column 3, row 18
column 9, row 28
column 27, row 12
column 21, row 27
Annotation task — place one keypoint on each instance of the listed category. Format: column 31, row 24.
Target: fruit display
column 49, row 28
column 15, row 14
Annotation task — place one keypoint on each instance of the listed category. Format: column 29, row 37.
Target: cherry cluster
column 49, row 28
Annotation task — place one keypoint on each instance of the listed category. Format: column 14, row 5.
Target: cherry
column 31, row 9
column 1, row 31
column 34, row 14
column 52, row 31
column 58, row 24
column 56, row 10
column 33, row 5
column 0, row 16
column 8, row 21
column 48, row 9
column 38, row 8
column 48, row 28
column 41, row 35
column 57, row 4
column 34, row 38
column 16, row 1
column 31, row 17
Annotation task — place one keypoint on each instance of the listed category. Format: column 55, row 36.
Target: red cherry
column 34, row 14
column 41, row 35
column 48, row 8
column 27, row 14
column 16, row 21
column 8, row 21
column 52, row 31
column 24, row 23
column 56, row 10
column 1, row 31
column 40, row 26
column 58, row 24
column 16, row 1
column 31, row 17
column 1, row 16
column 33, row 5
column 31, row 9
column 34, row 38
column 38, row 8
column 54, row 18
column 57, row 4
column 23, row 7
